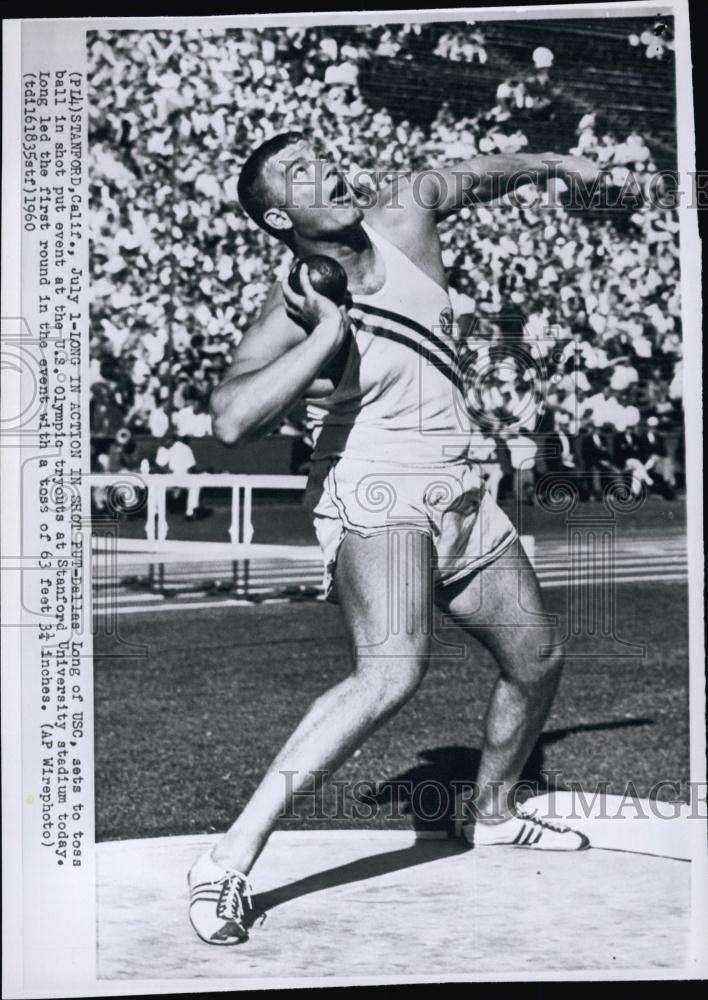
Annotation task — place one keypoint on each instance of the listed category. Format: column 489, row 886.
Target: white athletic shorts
column 448, row 502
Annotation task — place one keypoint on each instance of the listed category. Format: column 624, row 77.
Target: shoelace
column 234, row 890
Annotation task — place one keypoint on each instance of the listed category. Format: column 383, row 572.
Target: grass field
column 184, row 732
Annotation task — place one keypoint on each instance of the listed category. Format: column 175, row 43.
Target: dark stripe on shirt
column 444, row 369
column 412, row 325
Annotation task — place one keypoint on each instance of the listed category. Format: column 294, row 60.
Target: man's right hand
column 312, row 310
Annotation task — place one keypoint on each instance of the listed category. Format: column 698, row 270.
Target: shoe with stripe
column 218, row 901
column 522, row 830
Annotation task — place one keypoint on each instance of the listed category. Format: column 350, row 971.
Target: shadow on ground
column 372, row 866
column 427, row 791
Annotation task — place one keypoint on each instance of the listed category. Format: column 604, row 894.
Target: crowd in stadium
column 178, row 271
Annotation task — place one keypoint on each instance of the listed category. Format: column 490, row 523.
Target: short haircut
column 252, row 188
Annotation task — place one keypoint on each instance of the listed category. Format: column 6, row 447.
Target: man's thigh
column 502, row 606
column 385, row 590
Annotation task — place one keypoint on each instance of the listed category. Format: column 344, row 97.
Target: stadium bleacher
column 178, row 272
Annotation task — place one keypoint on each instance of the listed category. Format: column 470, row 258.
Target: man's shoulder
column 399, row 214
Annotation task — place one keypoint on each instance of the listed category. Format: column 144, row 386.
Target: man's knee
column 388, row 681
column 539, row 667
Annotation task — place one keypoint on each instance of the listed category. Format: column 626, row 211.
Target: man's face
column 311, row 195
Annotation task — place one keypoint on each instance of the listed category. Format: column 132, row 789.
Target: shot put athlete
column 399, row 509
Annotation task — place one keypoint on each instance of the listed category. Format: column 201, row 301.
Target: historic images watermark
column 430, row 800
column 593, row 188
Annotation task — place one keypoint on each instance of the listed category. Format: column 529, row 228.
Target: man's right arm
column 275, row 364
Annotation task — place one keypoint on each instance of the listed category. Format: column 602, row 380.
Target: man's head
column 287, row 188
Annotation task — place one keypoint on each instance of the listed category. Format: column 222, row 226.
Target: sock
column 208, row 870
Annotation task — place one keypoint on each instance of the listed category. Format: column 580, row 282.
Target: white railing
column 240, row 527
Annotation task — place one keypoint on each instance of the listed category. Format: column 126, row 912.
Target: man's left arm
column 486, row 178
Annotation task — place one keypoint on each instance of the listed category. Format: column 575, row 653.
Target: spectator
column 604, row 408
column 653, row 454
column 625, row 454
column 597, row 460
column 158, row 422
column 193, row 420
column 623, row 376
column 123, row 455
column 177, row 457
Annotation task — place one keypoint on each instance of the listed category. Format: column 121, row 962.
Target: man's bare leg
column 386, row 611
column 523, row 694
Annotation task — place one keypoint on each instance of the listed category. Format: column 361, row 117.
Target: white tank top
column 401, row 397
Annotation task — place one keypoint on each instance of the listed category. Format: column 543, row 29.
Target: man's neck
column 348, row 246
column 351, row 247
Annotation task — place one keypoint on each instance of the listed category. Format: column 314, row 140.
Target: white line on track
column 543, row 566
column 545, row 572
column 619, row 578
column 149, row 608
column 615, row 556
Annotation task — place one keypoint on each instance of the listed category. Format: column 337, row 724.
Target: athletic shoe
column 217, row 904
column 521, row 830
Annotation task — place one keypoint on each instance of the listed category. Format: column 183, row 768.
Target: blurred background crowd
column 568, row 319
